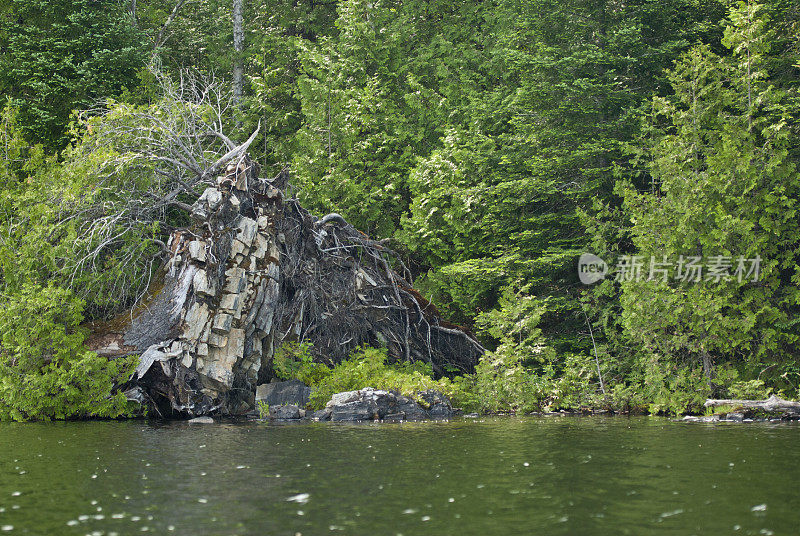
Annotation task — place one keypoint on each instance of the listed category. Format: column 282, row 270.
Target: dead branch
column 160, row 37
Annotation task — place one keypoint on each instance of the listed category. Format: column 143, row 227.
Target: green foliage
column 484, row 138
column 60, row 55
column 518, row 375
column 724, row 184
column 263, row 409
column 749, row 390
column 294, row 361
column 367, row 367
column 45, row 371
column 502, row 383
column 674, row 390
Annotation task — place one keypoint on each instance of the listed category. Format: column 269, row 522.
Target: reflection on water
column 506, row 476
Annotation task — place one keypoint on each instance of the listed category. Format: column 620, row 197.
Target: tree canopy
column 491, row 143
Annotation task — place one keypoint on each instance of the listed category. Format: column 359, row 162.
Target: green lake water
column 494, row 476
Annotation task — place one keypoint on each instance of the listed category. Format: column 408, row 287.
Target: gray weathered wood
column 773, row 404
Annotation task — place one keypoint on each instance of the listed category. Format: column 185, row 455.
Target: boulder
column 437, row 404
column 285, row 413
column 321, row 415
column 282, row 393
column 370, row 404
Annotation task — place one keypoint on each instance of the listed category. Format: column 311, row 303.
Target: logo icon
column 591, row 268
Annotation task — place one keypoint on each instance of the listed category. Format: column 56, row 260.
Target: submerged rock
column 202, row 420
column 375, row 404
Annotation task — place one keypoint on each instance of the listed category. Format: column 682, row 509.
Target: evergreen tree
column 62, row 55
column 725, row 189
column 500, row 203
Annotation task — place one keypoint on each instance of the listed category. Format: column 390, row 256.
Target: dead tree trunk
column 771, row 405
column 238, row 48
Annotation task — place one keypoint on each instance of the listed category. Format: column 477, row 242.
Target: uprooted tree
column 247, row 271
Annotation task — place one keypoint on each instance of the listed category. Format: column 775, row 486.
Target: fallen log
column 771, row 405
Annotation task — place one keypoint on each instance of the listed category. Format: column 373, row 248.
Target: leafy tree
column 282, row 31
column 501, row 199
column 377, row 96
column 45, row 371
column 724, row 187
column 62, row 55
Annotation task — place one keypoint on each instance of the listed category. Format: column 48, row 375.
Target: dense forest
column 491, row 143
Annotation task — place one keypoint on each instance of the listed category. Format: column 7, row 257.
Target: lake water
column 494, row 476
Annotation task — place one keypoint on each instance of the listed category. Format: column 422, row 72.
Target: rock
column 261, row 246
column 287, row 412
column 355, row 411
column 734, row 417
column 195, row 321
column 218, row 367
column 236, row 280
column 273, row 253
column 281, row 393
column 231, row 303
column 374, row 404
column 706, row 418
column 203, row 285
column 321, row 415
column 438, row 405
column 410, row 409
column 346, row 397
column 218, row 341
column 222, row 323
column 201, row 420
column 238, row 250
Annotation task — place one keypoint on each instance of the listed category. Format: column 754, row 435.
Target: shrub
column 752, row 389
column 674, row 389
column 502, row 383
column 294, row 361
column 263, row 409
column 45, row 370
column 367, row 367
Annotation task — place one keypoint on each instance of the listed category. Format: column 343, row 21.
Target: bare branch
column 160, row 38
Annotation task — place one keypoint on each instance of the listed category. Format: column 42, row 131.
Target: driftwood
column 771, row 405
